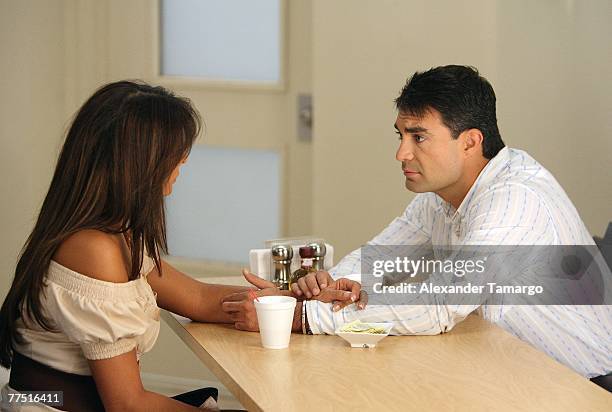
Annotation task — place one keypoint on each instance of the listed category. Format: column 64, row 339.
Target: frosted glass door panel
column 221, row 39
column 224, row 203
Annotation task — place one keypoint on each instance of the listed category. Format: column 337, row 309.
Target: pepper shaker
column 318, row 254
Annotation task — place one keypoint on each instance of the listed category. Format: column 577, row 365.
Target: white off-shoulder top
column 94, row 319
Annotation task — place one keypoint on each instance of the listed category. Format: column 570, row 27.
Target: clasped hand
column 318, row 286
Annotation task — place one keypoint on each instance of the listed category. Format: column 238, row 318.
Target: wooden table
column 476, row 367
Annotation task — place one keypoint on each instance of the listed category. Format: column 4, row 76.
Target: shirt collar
column 486, row 176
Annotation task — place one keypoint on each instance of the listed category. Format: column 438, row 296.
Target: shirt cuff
column 321, row 319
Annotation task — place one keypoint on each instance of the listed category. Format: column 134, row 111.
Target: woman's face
column 172, row 178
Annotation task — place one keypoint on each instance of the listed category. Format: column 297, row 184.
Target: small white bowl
column 365, row 340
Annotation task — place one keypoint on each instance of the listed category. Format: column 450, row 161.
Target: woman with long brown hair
column 82, row 307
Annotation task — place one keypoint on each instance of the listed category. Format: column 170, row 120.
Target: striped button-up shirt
column 514, row 201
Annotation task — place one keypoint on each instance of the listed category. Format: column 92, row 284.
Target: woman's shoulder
column 95, row 254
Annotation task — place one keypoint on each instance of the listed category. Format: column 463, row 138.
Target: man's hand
column 311, row 284
column 321, row 286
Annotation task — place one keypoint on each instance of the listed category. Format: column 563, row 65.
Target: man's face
column 432, row 160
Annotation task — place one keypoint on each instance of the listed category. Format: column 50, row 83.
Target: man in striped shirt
column 472, row 191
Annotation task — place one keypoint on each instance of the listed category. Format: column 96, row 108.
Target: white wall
column 31, row 117
column 554, row 90
column 363, row 52
column 550, row 63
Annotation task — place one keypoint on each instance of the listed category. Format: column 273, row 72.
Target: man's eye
column 399, row 136
column 418, row 138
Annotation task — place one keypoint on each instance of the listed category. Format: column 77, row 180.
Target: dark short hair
column 464, row 99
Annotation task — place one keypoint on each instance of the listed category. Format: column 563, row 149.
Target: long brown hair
column 123, row 144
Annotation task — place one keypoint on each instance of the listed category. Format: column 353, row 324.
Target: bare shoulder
column 95, row 254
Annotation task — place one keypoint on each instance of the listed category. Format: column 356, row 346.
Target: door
column 250, row 129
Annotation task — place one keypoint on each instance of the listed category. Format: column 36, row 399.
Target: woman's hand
column 239, row 306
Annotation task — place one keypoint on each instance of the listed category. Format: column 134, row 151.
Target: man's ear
column 472, row 141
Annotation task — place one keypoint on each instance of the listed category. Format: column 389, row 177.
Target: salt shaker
column 281, row 259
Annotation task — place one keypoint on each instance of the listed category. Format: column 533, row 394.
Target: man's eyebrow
column 412, row 130
column 417, row 129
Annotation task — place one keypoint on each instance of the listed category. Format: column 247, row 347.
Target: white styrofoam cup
column 275, row 317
